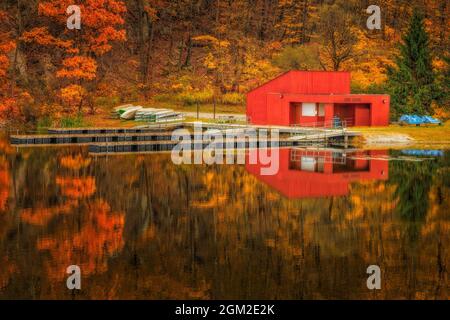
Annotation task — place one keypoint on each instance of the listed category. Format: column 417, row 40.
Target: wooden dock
column 313, row 136
column 154, row 138
column 89, row 138
column 294, row 130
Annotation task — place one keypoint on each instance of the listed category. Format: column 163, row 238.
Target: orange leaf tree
column 8, row 105
column 81, row 50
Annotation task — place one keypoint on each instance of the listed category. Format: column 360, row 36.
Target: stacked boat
column 138, row 113
column 158, row 115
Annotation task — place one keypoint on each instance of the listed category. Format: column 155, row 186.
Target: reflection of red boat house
column 315, row 98
column 320, row 173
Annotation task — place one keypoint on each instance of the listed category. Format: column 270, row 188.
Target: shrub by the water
column 233, row 98
column 72, row 122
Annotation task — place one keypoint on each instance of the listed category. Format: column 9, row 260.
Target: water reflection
column 306, row 173
column 141, row 227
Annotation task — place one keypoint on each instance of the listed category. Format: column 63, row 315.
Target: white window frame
column 309, row 109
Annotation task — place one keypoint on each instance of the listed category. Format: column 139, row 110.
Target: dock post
column 345, row 140
column 198, row 110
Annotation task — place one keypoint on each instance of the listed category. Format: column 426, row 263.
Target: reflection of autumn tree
column 71, row 187
column 41, row 216
column 218, row 232
column 4, row 183
column 413, row 181
column 436, row 231
column 75, row 162
column 5, row 150
column 91, row 232
column 8, row 268
column 207, row 195
column 283, row 248
column 439, row 197
column 355, row 219
column 99, row 237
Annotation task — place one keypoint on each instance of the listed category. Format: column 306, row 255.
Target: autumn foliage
column 8, row 104
column 186, row 52
column 80, row 50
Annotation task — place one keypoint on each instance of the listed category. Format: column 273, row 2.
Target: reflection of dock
column 297, row 155
column 390, row 158
column 167, row 146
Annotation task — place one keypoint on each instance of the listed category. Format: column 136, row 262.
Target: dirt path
column 207, row 115
column 388, row 139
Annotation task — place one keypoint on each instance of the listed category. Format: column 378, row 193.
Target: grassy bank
column 102, row 118
column 434, row 136
column 204, row 107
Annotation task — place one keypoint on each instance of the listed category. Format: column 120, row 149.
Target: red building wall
column 270, row 104
column 301, row 82
column 277, row 110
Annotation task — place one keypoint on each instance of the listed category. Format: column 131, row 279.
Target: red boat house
column 315, row 98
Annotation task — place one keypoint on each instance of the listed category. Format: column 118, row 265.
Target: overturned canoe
column 130, row 113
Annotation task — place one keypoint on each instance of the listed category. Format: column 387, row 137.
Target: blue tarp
column 418, row 120
column 429, row 153
column 432, row 120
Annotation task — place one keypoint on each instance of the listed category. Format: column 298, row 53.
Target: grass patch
column 187, row 98
column 73, row 122
column 44, row 123
column 431, row 134
column 233, row 98
column 208, row 107
column 187, row 101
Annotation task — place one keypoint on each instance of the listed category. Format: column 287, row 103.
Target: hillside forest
column 188, row 52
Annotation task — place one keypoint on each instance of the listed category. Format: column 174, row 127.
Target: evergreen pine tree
column 412, row 81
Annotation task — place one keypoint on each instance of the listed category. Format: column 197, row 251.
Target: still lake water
column 141, row 227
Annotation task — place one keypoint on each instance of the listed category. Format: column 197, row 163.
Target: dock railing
column 323, row 154
column 328, row 124
column 322, row 131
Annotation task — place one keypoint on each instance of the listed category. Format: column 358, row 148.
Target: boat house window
column 309, row 109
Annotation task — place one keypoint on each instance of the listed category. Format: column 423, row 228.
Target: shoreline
column 392, row 137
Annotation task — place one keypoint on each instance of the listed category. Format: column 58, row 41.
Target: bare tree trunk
column 187, row 60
